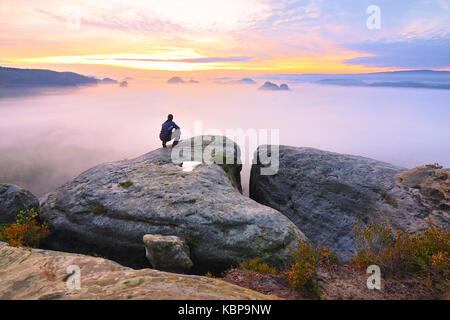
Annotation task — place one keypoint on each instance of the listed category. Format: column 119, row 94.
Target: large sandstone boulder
column 43, row 275
column 13, row 199
column 324, row 193
column 109, row 208
column 167, row 253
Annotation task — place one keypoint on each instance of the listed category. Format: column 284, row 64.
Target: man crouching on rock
column 167, row 134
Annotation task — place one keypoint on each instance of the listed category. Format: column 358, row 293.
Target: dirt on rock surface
column 341, row 282
column 264, row 283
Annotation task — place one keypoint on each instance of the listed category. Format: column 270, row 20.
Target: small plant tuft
column 389, row 199
column 307, row 259
column 98, row 209
column 257, row 266
column 424, row 254
column 126, row 184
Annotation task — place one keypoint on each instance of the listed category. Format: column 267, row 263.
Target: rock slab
column 325, row 193
column 167, row 253
column 42, row 275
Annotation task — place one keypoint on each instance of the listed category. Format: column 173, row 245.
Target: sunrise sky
column 223, row 38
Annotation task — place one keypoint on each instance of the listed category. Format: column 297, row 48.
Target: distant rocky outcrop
column 108, row 81
column 272, row 86
column 13, row 199
column 175, row 80
column 324, row 193
column 43, row 275
column 178, row 80
column 109, row 208
column 31, row 78
column 245, row 81
column 167, row 253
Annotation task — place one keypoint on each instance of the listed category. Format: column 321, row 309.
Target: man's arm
column 174, row 125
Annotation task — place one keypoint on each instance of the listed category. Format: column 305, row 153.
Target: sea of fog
column 51, row 137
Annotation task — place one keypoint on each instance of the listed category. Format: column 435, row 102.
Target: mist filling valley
column 48, row 139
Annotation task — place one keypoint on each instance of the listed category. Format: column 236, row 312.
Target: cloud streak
column 191, row 60
column 138, row 23
column 410, row 54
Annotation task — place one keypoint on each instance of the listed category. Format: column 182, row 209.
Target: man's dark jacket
column 166, row 130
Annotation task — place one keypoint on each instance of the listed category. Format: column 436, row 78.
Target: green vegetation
column 389, row 199
column 307, row 259
column 126, row 184
column 26, row 216
column 229, row 168
column 98, row 209
column 2, row 227
column 425, row 255
column 257, row 266
column 25, row 231
column 300, row 273
column 210, row 275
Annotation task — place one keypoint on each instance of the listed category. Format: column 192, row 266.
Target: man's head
column 170, row 117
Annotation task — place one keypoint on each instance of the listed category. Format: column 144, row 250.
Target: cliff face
column 41, row 274
column 324, row 193
column 107, row 210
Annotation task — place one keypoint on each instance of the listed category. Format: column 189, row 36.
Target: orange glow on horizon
column 175, row 61
column 238, row 36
